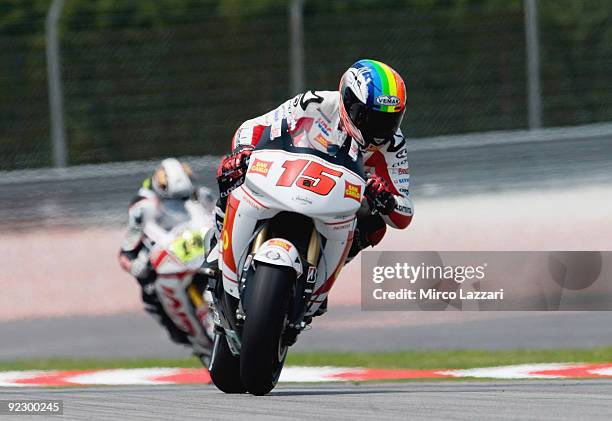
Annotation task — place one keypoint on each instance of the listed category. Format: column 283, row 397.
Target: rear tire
column 225, row 367
column 262, row 356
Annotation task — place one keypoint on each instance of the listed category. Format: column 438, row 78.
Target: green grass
column 451, row 358
column 82, row 364
column 404, row 359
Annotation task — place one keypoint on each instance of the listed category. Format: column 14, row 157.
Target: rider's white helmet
column 173, row 180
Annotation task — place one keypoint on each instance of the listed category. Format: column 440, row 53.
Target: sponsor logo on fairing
column 280, row 243
column 403, row 171
column 260, row 167
column 352, row 191
column 312, row 274
column 387, row 100
column 251, row 202
column 303, row 199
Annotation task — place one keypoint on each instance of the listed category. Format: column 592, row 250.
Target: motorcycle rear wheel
column 262, row 356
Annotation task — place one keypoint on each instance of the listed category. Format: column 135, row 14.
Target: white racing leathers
column 314, row 121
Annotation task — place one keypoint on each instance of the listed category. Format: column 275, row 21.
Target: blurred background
column 509, row 119
column 143, row 79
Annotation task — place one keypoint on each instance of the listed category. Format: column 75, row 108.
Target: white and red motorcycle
column 287, row 232
column 176, row 241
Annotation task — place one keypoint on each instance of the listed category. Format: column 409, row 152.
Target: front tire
column 225, row 367
column 263, row 355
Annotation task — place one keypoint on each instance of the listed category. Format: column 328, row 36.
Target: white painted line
column 522, row 371
column 601, row 371
column 136, row 376
column 8, row 378
column 312, row 374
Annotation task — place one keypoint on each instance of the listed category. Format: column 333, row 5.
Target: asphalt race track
column 517, row 400
column 139, row 336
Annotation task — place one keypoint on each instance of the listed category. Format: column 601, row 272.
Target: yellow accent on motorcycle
column 188, row 246
column 225, row 240
column 195, row 296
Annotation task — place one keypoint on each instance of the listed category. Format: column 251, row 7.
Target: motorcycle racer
column 171, row 182
column 367, row 111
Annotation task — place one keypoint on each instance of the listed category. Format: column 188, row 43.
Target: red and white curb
column 167, row 376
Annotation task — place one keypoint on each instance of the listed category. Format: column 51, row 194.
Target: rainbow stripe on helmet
column 386, row 90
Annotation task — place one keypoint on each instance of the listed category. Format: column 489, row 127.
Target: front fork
column 229, row 321
column 304, row 287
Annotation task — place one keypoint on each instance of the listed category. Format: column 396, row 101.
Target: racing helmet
column 372, row 102
column 173, row 180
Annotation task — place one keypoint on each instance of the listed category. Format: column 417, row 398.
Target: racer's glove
column 377, row 193
column 232, row 169
column 237, row 161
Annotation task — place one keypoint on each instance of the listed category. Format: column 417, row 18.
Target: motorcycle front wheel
column 262, row 356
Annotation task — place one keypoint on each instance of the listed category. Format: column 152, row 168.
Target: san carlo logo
column 387, row 100
column 352, row 191
column 260, row 167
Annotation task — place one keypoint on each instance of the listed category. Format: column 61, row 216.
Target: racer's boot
column 369, row 232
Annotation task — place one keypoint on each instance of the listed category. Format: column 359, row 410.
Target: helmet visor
column 371, row 123
column 380, row 125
